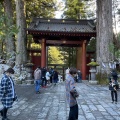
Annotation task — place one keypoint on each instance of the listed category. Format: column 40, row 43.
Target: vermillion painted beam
column 43, row 53
column 83, row 60
column 62, row 42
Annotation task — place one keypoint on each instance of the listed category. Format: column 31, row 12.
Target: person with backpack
column 37, row 78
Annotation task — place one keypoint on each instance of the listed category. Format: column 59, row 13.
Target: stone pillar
column 83, row 69
column 43, row 53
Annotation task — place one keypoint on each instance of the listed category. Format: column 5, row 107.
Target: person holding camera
column 113, row 89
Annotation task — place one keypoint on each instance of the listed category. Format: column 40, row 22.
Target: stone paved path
column 94, row 103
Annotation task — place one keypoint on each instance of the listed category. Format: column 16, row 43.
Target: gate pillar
column 43, row 53
column 83, row 60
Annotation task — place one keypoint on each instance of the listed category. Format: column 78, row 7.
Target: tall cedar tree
column 104, row 32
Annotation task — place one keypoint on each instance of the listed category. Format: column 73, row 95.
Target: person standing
column 66, row 73
column 43, row 76
column 113, row 89
column 70, row 88
column 37, row 78
column 7, row 92
column 79, row 76
column 48, row 76
column 55, row 77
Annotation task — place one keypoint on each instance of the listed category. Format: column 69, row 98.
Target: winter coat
column 37, row 74
column 48, row 75
column 6, row 92
column 70, row 86
column 55, row 75
column 43, row 73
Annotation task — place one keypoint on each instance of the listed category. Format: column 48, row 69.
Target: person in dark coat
column 55, row 77
column 79, row 76
column 113, row 89
column 43, row 77
column 7, row 92
column 51, row 74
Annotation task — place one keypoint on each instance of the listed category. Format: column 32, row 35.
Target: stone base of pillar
column 93, row 82
column 29, row 82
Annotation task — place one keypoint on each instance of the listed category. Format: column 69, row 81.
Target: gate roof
column 62, row 25
column 57, row 29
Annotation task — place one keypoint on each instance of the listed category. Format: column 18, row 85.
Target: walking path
column 94, row 103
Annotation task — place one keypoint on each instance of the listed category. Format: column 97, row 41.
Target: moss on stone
column 93, row 64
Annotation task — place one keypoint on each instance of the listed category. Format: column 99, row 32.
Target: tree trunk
column 104, row 32
column 9, row 41
column 21, row 57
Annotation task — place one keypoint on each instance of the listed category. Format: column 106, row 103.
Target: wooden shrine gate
column 63, row 32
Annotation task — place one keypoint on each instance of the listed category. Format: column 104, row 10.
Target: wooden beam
column 64, row 42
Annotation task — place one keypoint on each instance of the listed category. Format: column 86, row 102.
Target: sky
column 59, row 12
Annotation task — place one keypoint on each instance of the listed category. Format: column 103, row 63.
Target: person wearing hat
column 7, row 92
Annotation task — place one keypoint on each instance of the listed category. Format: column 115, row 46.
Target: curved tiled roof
column 62, row 25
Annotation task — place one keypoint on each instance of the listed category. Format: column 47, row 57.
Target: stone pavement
column 94, row 103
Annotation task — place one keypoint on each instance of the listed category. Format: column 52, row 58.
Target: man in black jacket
column 43, row 74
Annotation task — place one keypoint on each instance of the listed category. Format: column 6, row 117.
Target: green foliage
column 91, row 47
column 5, row 29
column 54, row 56
column 115, row 48
column 69, row 54
column 102, row 78
column 2, row 24
column 62, row 55
column 74, row 9
column 40, row 8
column 77, row 9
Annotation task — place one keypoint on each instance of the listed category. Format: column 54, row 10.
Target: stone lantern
column 92, row 71
column 29, row 70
